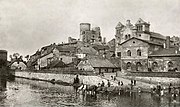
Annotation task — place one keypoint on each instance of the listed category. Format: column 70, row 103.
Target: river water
column 29, row 93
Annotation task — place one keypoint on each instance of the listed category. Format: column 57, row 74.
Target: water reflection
column 24, row 93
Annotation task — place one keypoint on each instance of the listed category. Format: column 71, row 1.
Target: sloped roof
column 172, row 51
column 116, row 62
column 157, row 35
column 149, row 42
column 100, row 47
column 140, row 21
column 119, row 25
column 88, row 50
column 104, row 63
column 57, row 63
column 66, row 48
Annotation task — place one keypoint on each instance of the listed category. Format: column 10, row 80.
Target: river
column 29, row 93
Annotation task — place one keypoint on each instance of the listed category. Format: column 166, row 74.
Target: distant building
column 137, row 48
column 18, row 65
column 89, row 35
column 98, row 65
column 3, row 59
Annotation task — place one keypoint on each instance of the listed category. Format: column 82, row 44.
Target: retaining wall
column 69, row 78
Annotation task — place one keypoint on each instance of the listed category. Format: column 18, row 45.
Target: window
column 128, row 53
column 134, row 42
column 154, row 64
column 138, row 66
column 139, row 52
column 119, row 54
column 128, row 65
column 170, row 64
column 139, row 35
column 129, row 36
column 126, row 36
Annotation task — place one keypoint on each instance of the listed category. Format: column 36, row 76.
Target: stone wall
column 91, row 80
column 162, row 63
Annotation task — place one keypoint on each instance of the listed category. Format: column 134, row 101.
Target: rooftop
column 101, row 62
column 172, row 51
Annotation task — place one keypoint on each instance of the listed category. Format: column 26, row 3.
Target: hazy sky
column 27, row 25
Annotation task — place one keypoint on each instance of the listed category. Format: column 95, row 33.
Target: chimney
column 104, row 40
column 128, row 22
column 69, row 39
column 167, row 42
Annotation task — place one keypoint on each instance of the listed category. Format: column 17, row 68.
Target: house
column 134, row 54
column 141, row 50
column 17, row 65
column 97, row 65
column 56, row 53
column 85, row 51
column 165, row 60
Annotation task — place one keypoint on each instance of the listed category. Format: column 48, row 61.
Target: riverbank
column 61, row 77
column 143, row 83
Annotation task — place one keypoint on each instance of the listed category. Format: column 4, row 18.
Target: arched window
column 138, row 66
column 170, row 64
column 126, row 36
column 128, row 65
column 139, row 52
column 154, row 64
column 129, row 36
column 128, row 53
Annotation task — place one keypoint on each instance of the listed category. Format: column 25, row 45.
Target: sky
column 28, row 25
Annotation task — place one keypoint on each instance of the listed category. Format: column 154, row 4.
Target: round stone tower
column 84, row 27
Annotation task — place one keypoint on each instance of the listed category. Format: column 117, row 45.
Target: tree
column 27, row 57
column 16, row 55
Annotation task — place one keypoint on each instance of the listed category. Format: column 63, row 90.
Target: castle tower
column 142, row 26
column 142, row 29
column 84, row 29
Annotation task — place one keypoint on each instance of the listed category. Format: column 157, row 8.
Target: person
column 114, row 78
column 162, row 92
column 169, row 88
column 134, row 82
column 102, row 85
column 76, row 80
column 108, row 84
column 151, row 87
column 99, row 84
column 131, row 82
column 174, row 94
column 121, row 83
column 159, row 89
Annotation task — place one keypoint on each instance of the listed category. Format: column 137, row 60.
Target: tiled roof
column 119, row 25
column 116, row 62
column 172, row 51
column 66, row 48
column 88, row 50
column 157, row 35
column 100, row 47
column 149, row 42
column 57, row 63
column 140, row 21
column 98, row 62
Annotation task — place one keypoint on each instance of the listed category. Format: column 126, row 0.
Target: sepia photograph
column 89, row 53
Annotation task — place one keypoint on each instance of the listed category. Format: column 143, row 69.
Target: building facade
column 89, row 35
column 135, row 45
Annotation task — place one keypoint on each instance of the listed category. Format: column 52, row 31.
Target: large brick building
column 137, row 47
